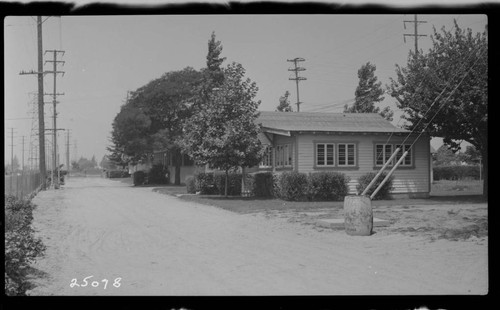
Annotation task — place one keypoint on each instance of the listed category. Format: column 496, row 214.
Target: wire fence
column 23, row 184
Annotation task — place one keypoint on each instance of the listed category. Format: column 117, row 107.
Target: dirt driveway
column 147, row 243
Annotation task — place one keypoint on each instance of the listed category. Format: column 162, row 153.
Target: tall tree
column 168, row 101
column 131, row 135
column 368, row 93
column 214, row 62
column 152, row 118
column 224, row 134
column 446, row 89
column 284, row 105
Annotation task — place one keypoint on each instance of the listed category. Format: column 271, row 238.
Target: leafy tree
column 75, row 166
column 224, row 134
column 131, row 136
column 106, row 163
column 214, row 62
column 368, row 92
column 168, row 101
column 446, row 157
column 446, row 89
column 284, row 105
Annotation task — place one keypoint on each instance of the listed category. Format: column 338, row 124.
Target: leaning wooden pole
column 389, row 174
column 380, row 172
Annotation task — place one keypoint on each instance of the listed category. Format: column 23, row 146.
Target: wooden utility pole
column 41, row 123
column 55, row 181
column 297, row 78
column 415, row 34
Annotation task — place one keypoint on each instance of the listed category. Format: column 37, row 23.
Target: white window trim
column 284, row 156
column 394, row 160
column 325, row 144
column 346, row 155
column 268, row 156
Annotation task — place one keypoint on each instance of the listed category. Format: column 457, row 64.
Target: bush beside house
column 291, row 186
column 383, row 193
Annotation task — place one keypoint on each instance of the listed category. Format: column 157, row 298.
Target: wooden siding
column 406, row 179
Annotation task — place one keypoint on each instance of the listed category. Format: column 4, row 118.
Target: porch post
column 273, row 160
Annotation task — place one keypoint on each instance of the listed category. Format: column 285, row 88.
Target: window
column 267, row 159
column 325, row 154
column 384, row 151
column 408, row 160
column 284, row 155
column 346, row 154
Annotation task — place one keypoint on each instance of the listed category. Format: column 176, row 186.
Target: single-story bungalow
column 350, row 143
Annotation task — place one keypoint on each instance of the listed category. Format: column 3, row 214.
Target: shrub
column 383, row 193
column 21, row 246
column 117, row 174
column 139, row 178
column 263, row 184
column 158, row 174
column 205, row 183
column 292, row 186
column 233, row 182
column 191, row 185
column 455, row 172
column 327, row 186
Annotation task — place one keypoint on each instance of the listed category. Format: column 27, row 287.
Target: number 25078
column 86, row 281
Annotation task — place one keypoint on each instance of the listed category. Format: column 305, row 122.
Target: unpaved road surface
column 160, row 245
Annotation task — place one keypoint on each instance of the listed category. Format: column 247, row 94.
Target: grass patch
column 459, row 187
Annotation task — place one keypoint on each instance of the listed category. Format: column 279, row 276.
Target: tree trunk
column 243, row 181
column 225, row 189
column 177, row 163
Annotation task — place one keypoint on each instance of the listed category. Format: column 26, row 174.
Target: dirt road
column 160, row 245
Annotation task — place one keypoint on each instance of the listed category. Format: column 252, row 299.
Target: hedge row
column 21, row 245
column 456, row 172
column 117, row 174
column 157, row 175
column 291, row 186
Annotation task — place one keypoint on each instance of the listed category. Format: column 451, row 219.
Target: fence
column 22, row 184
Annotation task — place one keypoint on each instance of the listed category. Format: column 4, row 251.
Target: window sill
column 398, row 168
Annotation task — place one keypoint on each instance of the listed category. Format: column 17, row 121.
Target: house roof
column 327, row 122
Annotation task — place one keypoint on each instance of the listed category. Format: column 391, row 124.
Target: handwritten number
column 74, row 283
column 85, row 281
column 106, row 283
column 117, row 282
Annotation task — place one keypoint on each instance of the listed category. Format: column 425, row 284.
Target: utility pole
column 415, row 34
column 55, row 181
column 11, row 157
column 297, row 78
column 67, row 152
column 41, row 124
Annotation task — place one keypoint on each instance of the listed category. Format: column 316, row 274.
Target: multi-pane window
column 284, row 155
column 325, row 154
column 384, row 151
column 267, row 159
column 346, row 154
column 407, row 160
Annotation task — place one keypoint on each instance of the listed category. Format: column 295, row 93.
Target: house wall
column 408, row 181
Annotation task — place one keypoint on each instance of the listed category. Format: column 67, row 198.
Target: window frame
column 355, row 155
column 325, row 154
column 404, row 165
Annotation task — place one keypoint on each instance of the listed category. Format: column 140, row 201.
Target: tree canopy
column 446, row 89
column 224, row 134
column 284, row 105
column 368, row 92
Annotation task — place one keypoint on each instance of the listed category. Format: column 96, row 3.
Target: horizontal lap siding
column 405, row 180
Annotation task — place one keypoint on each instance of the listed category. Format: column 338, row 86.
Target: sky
column 106, row 56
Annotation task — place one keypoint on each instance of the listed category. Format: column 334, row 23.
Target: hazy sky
column 106, row 56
